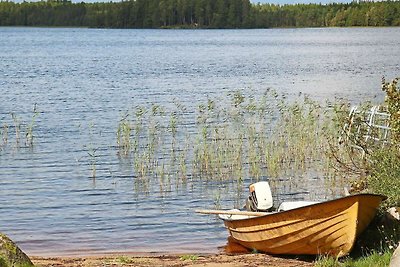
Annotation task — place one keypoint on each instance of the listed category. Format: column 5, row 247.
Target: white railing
column 367, row 127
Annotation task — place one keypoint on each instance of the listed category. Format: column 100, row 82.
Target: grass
column 384, row 174
column 125, row 260
column 374, row 259
column 189, row 257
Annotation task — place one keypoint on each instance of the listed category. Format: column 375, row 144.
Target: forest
column 217, row 14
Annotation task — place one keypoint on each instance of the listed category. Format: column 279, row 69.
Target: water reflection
column 233, row 247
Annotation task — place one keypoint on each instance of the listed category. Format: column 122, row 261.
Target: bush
column 393, row 103
column 385, row 174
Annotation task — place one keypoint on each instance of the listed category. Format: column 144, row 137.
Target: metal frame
column 368, row 126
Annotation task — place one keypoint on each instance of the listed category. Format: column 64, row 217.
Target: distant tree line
column 197, row 14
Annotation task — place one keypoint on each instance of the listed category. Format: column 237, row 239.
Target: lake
column 82, row 81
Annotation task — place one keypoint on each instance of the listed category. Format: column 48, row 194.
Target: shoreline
column 138, row 259
column 232, row 254
column 230, row 247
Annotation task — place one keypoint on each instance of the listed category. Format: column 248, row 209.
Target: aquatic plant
column 92, row 151
column 17, row 128
column 20, row 128
column 124, row 136
column 227, row 138
column 3, row 136
column 29, row 129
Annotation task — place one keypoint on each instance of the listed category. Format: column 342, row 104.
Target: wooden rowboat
column 329, row 227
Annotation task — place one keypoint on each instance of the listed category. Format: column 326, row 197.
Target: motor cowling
column 260, row 198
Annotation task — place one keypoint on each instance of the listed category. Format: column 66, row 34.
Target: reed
column 229, row 138
column 29, row 129
column 92, row 151
column 217, row 200
column 17, row 128
column 124, row 136
column 20, row 128
column 4, row 135
column 93, row 161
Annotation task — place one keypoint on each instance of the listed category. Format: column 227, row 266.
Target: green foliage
column 374, row 259
column 3, row 262
column 385, row 174
column 377, row 165
column 197, row 14
column 189, row 257
column 351, row 151
column 384, row 163
column 367, row 152
column 393, row 102
column 125, row 260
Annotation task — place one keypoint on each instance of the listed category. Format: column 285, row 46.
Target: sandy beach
column 216, row 260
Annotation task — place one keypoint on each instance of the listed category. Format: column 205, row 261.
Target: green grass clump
column 125, row 260
column 374, row 259
column 189, row 257
column 385, row 174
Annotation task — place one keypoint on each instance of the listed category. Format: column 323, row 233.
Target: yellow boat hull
column 324, row 228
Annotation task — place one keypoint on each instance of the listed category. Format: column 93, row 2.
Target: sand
column 217, row 260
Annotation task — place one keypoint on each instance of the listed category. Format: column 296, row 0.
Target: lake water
column 83, row 80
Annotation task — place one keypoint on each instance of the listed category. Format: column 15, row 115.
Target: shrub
column 385, row 174
column 393, row 102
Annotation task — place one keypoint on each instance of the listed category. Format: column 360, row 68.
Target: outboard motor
column 260, row 198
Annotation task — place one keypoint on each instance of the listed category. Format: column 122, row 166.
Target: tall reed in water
column 124, row 136
column 92, row 152
column 30, row 126
column 228, row 138
column 17, row 128
column 4, row 135
column 21, row 129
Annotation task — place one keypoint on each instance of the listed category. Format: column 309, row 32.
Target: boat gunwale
column 383, row 197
